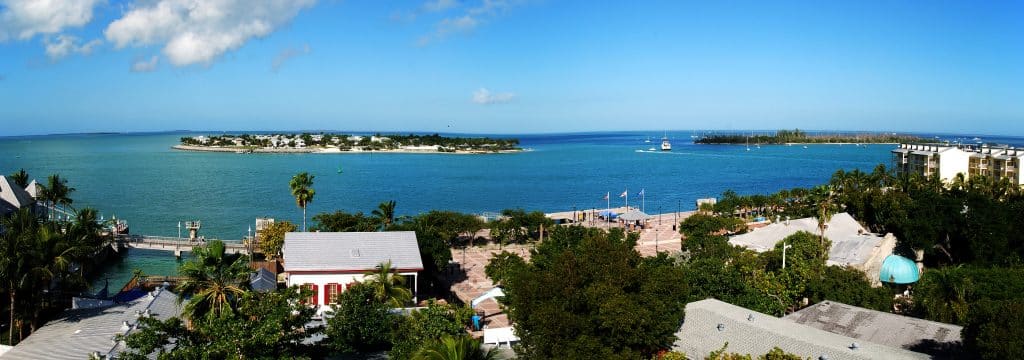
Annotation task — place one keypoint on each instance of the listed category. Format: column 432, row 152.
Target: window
column 331, row 291
column 314, row 298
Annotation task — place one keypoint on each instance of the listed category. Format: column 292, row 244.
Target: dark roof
column 350, row 251
column 263, row 280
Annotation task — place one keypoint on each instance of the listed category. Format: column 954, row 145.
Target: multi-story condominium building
column 948, row 160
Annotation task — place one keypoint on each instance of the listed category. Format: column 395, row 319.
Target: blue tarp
column 608, row 214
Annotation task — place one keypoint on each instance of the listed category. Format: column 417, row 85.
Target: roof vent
column 354, row 253
column 823, row 357
column 854, row 346
column 125, row 327
column 720, row 327
column 750, row 317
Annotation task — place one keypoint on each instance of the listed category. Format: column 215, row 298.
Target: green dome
column 899, row 270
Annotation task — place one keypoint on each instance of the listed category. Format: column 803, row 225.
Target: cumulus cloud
column 486, row 97
column 198, row 32
column 65, row 45
column 468, row 20
column 143, row 65
column 23, row 19
column 288, row 53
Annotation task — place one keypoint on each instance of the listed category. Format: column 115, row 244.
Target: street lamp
column 784, row 247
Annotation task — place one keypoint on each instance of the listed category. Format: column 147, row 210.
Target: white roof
column 350, row 251
column 500, row 335
column 851, row 243
column 12, row 196
column 33, row 189
column 876, row 326
column 77, row 333
column 710, row 323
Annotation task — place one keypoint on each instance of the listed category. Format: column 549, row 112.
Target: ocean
column 139, row 178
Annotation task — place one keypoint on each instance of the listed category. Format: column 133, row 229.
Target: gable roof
column 879, row 327
column 263, row 280
column 12, row 196
column 350, row 251
column 33, row 189
column 78, row 333
column 710, row 323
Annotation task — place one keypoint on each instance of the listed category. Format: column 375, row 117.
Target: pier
column 177, row 245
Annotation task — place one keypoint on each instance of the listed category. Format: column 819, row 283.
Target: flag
column 624, row 194
column 606, row 195
column 641, row 193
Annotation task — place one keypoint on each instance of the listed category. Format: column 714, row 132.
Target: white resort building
column 947, row 161
column 330, row 262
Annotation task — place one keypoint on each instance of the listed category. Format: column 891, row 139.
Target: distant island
column 343, row 143
column 800, row 137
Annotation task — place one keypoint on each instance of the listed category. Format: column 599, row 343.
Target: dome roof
column 899, row 270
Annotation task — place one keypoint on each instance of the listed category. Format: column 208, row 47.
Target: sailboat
column 648, row 139
column 748, row 143
column 665, row 144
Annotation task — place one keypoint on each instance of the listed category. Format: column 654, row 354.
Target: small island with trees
column 344, row 143
column 798, row 136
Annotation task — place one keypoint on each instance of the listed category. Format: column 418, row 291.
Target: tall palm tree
column 57, row 192
column 213, row 281
column 455, row 348
column 20, row 178
column 302, row 190
column 388, row 285
column 385, row 213
column 823, row 195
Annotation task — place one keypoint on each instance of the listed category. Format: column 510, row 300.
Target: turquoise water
column 138, row 177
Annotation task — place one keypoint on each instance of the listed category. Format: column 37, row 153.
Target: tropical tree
column 385, row 214
column 271, row 238
column 824, row 197
column 360, row 323
column 213, row 282
column 16, row 248
column 455, row 348
column 302, row 189
column 56, row 192
column 387, row 285
column 20, row 178
column 427, row 324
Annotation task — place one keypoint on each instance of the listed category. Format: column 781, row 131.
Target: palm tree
column 57, row 192
column 385, row 213
column 302, row 190
column 823, row 195
column 388, row 285
column 455, row 348
column 944, row 293
column 16, row 250
column 213, row 281
column 20, row 178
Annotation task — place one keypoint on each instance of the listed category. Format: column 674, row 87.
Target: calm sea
column 138, row 177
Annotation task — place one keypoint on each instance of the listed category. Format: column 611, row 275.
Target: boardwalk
column 177, row 245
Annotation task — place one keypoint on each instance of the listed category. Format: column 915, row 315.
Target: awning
column 634, row 215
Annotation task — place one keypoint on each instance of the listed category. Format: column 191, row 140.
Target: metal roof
column 879, row 327
column 710, row 324
column 350, row 251
column 78, row 333
column 263, row 280
column 12, row 196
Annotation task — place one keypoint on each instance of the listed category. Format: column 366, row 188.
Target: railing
column 173, row 241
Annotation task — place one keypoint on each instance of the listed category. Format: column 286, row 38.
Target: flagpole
column 608, row 197
column 627, row 198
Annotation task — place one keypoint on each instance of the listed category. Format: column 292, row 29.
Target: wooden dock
column 177, row 245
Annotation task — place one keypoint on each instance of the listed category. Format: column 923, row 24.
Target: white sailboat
column 665, row 144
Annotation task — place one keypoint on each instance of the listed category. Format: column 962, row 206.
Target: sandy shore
column 329, row 150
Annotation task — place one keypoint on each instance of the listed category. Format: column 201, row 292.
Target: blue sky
column 508, row 66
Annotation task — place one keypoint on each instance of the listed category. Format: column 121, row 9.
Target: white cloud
column 143, row 65
column 288, row 53
column 198, row 32
column 65, row 45
column 485, row 97
column 468, row 20
column 23, row 19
